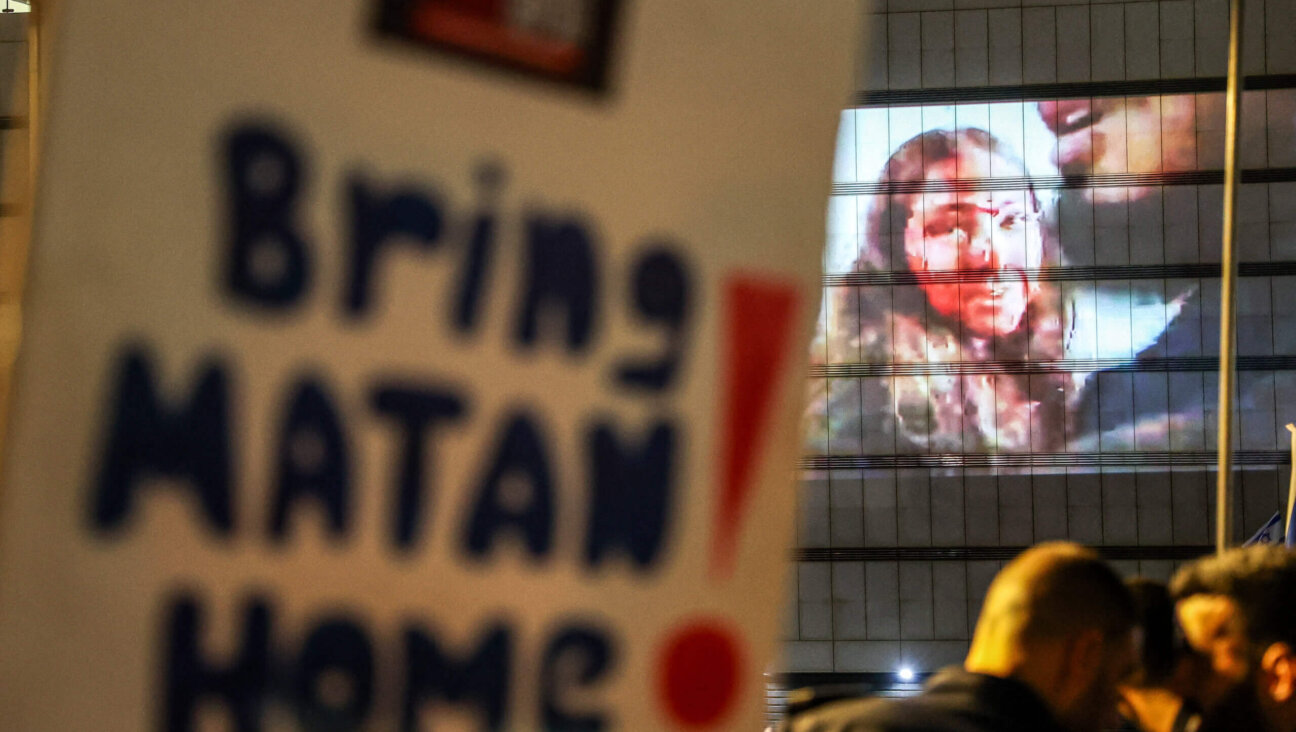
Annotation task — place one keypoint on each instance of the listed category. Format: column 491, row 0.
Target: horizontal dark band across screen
column 1040, row 460
column 1110, row 180
column 1069, row 90
column 1070, row 365
column 985, row 553
column 1200, row 270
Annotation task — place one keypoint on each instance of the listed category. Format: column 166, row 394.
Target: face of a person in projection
column 1123, row 135
column 993, row 234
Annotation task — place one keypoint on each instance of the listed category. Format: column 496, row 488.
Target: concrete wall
column 972, row 43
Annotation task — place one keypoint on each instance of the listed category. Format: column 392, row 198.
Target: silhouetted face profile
column 1235, row 610
column 1060, row 621
column 1095, row 707
column 1213, row 628
column 994, row 234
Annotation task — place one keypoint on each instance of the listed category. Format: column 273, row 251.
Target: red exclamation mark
column 759, row 319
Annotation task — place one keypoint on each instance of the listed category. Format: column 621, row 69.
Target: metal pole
column 1291, row 488
column 1228, row 361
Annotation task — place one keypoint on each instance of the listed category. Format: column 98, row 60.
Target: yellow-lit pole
column 1291, row 488
column 1228, row 360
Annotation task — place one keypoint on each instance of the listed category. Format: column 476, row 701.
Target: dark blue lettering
column 418, row 411
column 630, row 494
column 147, row 438
column 662, row 296
column 377, row 220
column 481, row 680
column 313, row 460
column 515, row 494
column 576, row 656
column 334, row 686
column 561, row 280
column 267, row 262
column 191, row 679
column 481, row 247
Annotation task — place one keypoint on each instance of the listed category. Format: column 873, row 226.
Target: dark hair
column 1154, row 615
column 1260, row 579
column 897, row 324
column 903, row 177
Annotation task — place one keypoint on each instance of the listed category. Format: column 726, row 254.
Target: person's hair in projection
column 972, row 252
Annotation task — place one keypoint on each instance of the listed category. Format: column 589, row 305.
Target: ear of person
column 1279, row 666
column 1083, row 660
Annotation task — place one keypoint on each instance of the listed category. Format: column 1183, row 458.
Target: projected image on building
column 1035, row 278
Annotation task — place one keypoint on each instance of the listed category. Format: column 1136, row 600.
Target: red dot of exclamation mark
column 698, row 672
column 759, row 320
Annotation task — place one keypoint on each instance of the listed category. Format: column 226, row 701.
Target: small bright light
column 905, row 673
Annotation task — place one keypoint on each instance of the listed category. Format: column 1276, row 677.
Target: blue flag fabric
column 1270, row 533
column 1291, row 534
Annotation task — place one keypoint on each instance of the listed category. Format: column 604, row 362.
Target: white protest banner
column 399, row 364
